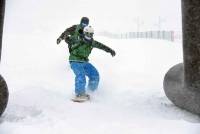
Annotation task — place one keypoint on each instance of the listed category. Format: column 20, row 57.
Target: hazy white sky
column 111, row 15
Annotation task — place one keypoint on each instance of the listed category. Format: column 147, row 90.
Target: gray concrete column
column 3, row 95
column 182, row 82
column 3, row 86
column 191, row 42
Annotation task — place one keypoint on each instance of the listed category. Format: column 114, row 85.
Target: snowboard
column 79, row 99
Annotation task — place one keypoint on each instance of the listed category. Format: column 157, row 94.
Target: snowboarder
column 80, row 49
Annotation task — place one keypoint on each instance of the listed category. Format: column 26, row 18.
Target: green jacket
column 71, row 31
column 82, row 49
column 71, row 34
column 79, row 48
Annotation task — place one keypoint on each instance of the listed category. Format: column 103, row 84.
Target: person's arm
column 66, row 33
column 101, row 46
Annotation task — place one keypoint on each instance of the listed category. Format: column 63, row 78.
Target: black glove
column 112, row 52
column 59, row 40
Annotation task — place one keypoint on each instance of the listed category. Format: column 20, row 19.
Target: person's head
column 88, row 32
column 84, row 22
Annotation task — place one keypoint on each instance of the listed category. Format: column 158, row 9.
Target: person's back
column 73, row 33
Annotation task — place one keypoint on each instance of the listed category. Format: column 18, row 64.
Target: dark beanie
column 84, row 20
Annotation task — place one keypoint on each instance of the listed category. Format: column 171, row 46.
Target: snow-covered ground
column 130, row 98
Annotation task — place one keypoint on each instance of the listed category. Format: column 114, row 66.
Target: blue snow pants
column 81, row 70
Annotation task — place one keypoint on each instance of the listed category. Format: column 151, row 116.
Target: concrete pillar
column 3, row 95
column 182, row 82
column 3, row 87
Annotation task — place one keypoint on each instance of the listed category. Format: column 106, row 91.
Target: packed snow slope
column 130, row 98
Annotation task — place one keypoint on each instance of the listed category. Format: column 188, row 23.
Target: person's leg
column 80, row 80
column 93, row 75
